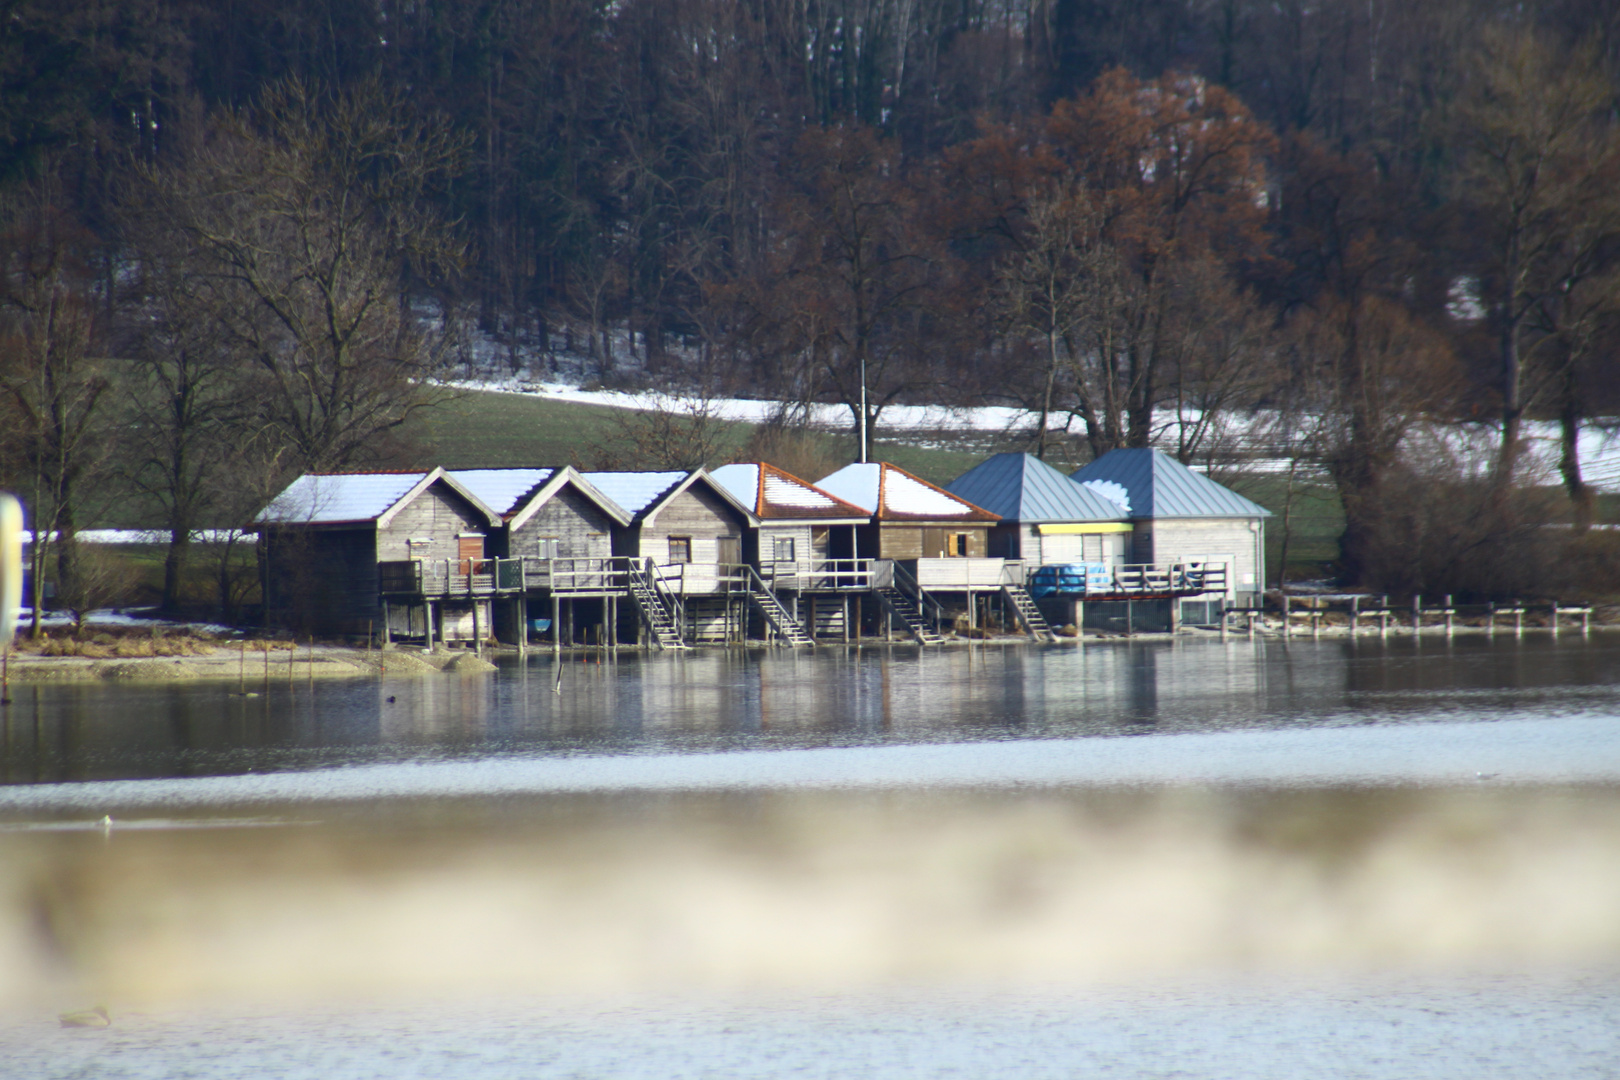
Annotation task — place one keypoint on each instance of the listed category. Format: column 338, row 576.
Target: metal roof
column 503, row 490
column 1022, row 487
column 890, row 493
column 779, row 495
column 1162, row 487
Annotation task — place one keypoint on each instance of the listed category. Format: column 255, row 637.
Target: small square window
column 956, row 545
column 547, row 546
column 680, row 549
column 782, row 550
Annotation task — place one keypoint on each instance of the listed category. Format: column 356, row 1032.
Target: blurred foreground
column 580, row 896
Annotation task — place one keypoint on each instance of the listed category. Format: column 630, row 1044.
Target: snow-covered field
column 1600, row 448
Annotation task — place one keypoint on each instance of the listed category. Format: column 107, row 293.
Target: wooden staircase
column 1028, row 613
column 654, row 615
column 905, row 609
column 780, row 618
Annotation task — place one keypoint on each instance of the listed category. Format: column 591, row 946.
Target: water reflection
column 731, row 699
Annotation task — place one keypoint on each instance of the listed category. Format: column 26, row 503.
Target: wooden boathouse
column 325, row 540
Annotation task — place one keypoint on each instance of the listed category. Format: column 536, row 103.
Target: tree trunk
column 1581, row 496
column 174, row 566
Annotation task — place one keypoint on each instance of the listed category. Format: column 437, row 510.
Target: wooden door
column 731, row 549
column 470, row 550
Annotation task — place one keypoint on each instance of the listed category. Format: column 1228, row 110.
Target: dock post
column 556, row 624
column 478, row 637
column 1417, row 613
column 846, row 619
column 520, row 620
column 1355, row 613
column 1555, row 618
column 1286, row 631
column 1449, row 610
column 1225, row 618
column 1490, row 619
column 1316, row 622
column 1586, row 622
column 427, row 606
column 387, row 637
column 1518, row 622
column 1251, row 614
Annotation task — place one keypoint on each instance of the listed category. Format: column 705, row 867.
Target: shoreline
column 325, row 662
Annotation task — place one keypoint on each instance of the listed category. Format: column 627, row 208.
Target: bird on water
column 89, row 1018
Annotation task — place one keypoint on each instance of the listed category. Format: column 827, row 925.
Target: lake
column 1146, row 858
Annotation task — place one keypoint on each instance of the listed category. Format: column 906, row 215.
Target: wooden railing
column 1104, row 581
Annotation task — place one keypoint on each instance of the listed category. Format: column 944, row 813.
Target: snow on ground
column 113, row 617
column 1599, row 448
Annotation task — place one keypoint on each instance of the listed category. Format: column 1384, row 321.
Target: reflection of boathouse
column 750, row 551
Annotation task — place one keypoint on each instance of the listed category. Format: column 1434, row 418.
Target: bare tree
column 54, row 428
column 310, row 213
column 1541, row 159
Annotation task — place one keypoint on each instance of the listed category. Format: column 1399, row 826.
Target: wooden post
column 1417, row 613
column 1490, row 619
column 1449, row 611
column 1555, row 618
column 556, row 624
column 478, row 637
column 1287, row 630
column 427, row 618
column 387, row 635
column 1586, row 622
column 1225, row 616
column 846, row 620
column 1355, row 612
column 1518, row 622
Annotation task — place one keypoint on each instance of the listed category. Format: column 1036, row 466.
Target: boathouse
column 1047, row 518
column 554, row 551
column 1181, row 517
column 802, row 529
column 324, row 543
column 689, row 530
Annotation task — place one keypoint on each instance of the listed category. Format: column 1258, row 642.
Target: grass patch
column 119, row 643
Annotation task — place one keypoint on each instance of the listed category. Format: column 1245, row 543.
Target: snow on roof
column 1021, row 487
column 1114, row 493
column 1159, row 486
column 503, row 490
column 781, row 494
column 329, row 498
column 635, row 491
column 890, row 492
column 857, row 483
column 742, row 480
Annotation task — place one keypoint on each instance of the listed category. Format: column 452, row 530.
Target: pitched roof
column 358, row 498
column 1159, row 486
column 890, row 493
column 1022, row 487
column 644, row 494
column 503, row 490
column 777, row 494
column 518, row 494
column 636, row 491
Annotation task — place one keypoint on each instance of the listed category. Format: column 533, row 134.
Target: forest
column 244, row 239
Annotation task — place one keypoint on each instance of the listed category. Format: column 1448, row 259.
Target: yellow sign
column 1089, row 528
column 11, row 523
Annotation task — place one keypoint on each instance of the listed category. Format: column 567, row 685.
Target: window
column 956, row 545
column 680, row 549
column 782, row 550
column 547, row 546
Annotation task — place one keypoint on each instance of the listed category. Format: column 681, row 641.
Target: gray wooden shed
column 1181, row 516
column 322, row 540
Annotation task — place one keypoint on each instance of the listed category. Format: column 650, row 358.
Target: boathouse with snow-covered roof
column 329, row 543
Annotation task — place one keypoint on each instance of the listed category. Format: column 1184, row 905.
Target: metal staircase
column 654, row 614
column 905, row 609
column 776, row 613
column 1024, row 605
